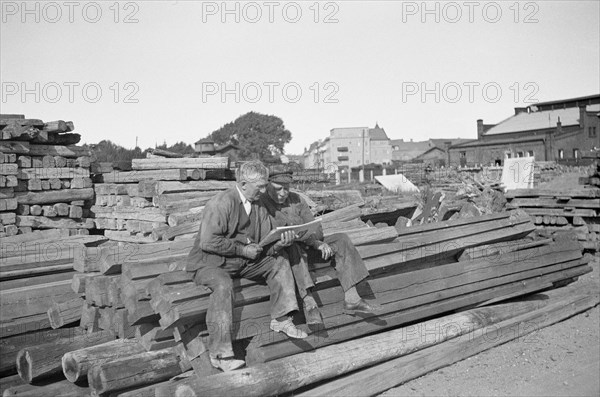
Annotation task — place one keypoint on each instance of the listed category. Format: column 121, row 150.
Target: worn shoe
column 288, row 328
column 227, row 364
column 312, row 315
column 361, row 306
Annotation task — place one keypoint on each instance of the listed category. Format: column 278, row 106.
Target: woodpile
column 142, row 205
column 45, row 194
column 556, row 212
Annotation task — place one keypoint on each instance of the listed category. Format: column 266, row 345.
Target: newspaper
column 300, row 230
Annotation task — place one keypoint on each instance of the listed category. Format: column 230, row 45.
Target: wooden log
column 47, row 211
column 59, row 196
column 139, row 369
column 186, row 228
column 137, row 176
column 181, row 218
column 70, row 151
column 123, row 212
column 75, row 212
column 563, row 194
column 64, row 313
column 154, row 188
column 176, row 163
column 96, row 290
column 9, row 169
column 8, row 204
column 77, row 363
column 48, row 173
column 281, row 376
column 52, row 234
column 371, row 235
column 42, row 222
column 37, row 362
column 409, row 366
column 81, row 183
column 80, row 279
column 344, row 214
column 16, row 147
column 61, row 388
column 8, row 218
column 7, row 192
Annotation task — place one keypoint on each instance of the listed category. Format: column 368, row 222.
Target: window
column 575, row 153
column 463, row 155
column 530, row 153
column 519, row 154
column 592, row 132
column 561, row 154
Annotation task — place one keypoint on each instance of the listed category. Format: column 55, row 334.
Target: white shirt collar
column 247, row 204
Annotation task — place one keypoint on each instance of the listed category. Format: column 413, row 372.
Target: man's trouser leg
column 299, row 264
column 278, row 275
column 219, row 316
column 349, row 266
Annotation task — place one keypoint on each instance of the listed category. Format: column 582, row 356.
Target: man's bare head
column 252, row 179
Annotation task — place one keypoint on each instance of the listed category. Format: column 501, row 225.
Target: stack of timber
column 424, row 272
column 180, row 306
column 161, row 193
column 36, row 270
column 44, row 179
column 555, row 211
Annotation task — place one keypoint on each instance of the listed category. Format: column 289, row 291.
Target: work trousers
column 348, row 264
column 219, row 316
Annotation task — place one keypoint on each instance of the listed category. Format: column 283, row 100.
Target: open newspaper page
column 301, row 230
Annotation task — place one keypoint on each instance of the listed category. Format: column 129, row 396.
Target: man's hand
column 287, row 239
column 326, row 251
column 252, row 251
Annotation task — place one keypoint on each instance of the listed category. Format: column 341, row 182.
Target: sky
column 153, row 72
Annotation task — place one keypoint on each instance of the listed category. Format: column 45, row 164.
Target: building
column 356, row 146
column 206, row 146
column 432, row 150
column 549, row 131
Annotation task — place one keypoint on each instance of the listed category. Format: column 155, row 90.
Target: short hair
column 251, row 171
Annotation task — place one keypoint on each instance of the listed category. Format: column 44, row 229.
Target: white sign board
column 396, row 183
column 518, row 173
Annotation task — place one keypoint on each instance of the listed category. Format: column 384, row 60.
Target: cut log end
column 70, row 367
column 185, row 391
column 96, row 380
column 24, row 365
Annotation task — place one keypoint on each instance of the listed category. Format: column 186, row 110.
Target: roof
column 571, row 101
column 430, row 150
column 204, row 140
column 441, row 143
column 378, row 134
column 475, row 142
column 536, row 120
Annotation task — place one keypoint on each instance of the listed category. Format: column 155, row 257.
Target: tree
column 179, row 147
column 257, row 136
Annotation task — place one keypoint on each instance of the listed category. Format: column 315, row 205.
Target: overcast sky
column 169, row 71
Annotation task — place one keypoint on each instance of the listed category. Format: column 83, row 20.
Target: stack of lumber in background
column 556, row 211
column 45, row 188
column 160, row 193
column 44, row 179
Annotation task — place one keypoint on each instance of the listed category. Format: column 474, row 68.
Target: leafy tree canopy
column 258, row 136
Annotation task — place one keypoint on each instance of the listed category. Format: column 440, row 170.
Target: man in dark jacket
column 287, row 208
column 227, row 247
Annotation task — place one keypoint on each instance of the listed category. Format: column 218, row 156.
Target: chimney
column 480, row 129
column 520, row 110
column 558, row 127
column 582, row 116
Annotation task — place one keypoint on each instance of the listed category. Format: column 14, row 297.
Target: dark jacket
column 294, row 211
column 225, row 229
